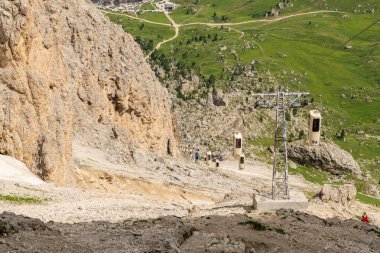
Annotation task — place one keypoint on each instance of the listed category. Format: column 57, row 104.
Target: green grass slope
column 244, row 10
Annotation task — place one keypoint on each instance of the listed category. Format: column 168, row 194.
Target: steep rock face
column 327, row 156
column 67, row 73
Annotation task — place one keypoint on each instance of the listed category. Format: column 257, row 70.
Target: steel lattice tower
column 281, row 101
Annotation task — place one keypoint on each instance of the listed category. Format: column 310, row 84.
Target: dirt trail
column 178, row 26
column 136, row 18
column 176, row 29
column 238, row 31
column 266, row 20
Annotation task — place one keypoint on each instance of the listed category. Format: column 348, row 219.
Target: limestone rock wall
column 67, row 73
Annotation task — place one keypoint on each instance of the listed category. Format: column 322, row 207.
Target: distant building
column 169, row 6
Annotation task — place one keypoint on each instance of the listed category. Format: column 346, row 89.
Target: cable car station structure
column 281, row 101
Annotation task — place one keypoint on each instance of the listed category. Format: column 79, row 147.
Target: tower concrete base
column 297, row 200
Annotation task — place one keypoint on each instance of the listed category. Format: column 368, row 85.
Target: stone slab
column 296, row 201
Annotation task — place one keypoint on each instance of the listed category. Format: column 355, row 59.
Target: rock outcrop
column 218, row 98
column 343, row 194
column 371, row 189
column 67, row 73
column 327, row 157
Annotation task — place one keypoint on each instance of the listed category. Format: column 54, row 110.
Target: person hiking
column 197, row 156
column 365, row 218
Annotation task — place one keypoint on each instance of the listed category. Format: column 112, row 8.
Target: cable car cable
column 350, row 39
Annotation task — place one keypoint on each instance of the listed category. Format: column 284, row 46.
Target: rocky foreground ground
column 168, row 205
column 281, row 231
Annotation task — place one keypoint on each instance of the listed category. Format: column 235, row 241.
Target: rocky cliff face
column 67, row 73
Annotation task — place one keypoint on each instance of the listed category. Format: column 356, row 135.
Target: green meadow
column 155, row 17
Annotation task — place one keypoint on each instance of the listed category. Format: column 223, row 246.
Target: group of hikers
column 207, row 158
column 196, row 154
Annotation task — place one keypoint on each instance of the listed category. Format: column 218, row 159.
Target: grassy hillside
column 297, row 50
column 243, row 10
column 207, row 10
column 154, row 16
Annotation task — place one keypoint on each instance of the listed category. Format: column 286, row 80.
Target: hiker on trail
column 197, row 156
column 365, row 218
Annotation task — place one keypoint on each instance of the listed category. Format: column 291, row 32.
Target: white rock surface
column 12, row 169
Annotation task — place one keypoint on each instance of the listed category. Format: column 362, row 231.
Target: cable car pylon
column 281, row 101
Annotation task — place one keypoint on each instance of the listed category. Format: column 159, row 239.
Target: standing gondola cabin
column 314, row 127
column 237, row 145
column 208, row 158
column 242, row 162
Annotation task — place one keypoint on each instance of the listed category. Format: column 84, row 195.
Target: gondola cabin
column 208, row 158
column 242, row 162
column 237, row 145
column 314, row 127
